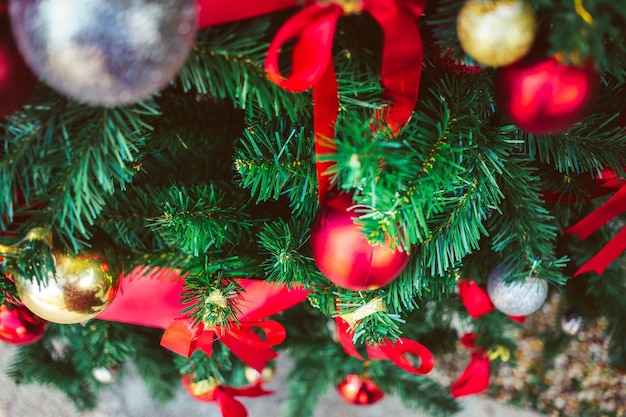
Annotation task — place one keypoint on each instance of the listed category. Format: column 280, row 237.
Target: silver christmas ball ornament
column 516, row 298
column 105, row 375
column 104, row 52
column 571, row 323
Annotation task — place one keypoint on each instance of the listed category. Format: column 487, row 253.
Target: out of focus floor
column 129, row 398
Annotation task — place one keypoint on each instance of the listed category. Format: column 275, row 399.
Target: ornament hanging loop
column 349, row 6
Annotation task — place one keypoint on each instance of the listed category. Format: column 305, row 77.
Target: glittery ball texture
column 516, row 298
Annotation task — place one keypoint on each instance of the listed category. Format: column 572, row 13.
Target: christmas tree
column 366, row 186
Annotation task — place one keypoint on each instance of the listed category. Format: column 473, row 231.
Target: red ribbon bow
column 389, row 351
column 183, row 337
column 475, row 378
column 314, row 28
column 591, row 223
column 224, row 397
column 475, row 299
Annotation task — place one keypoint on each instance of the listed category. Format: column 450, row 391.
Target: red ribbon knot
column 184, row 338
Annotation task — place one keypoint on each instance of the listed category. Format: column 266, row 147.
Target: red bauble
column 344, row 255
column 17, row 82
column 360, row 391
column 543, row 95
column 200, row 390
column 18, row 326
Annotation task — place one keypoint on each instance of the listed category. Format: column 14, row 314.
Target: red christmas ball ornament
column 18, row 326
column 344, row 255
column 17, row 82
column 544, row 95
column 358, row 390
column 202, row 390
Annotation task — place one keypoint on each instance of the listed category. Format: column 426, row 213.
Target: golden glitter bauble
column 83, row 285
column 496, row 32
column 255, row 377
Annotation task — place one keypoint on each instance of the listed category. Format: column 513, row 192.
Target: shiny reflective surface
column 360, row 391
column 104, row 51
column 82, row 287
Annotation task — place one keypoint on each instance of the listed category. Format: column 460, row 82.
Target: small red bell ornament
column 20, row 327
column 343, row 254
column 544, row 95
column 359, row 390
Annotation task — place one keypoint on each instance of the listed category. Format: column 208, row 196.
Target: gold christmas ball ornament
column 496, row 33
column 255, row 377
column 82, row 286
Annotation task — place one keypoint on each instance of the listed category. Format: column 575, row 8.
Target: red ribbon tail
column 325, row 109
column 475, row 299
column 228, row 405
column 345, row 338
column 608, row 254
column 395, row 353
column 249, row 347
column 255, row 357
column 249, row 391
column 402, row 59
column 474, row 379
column 613, row 207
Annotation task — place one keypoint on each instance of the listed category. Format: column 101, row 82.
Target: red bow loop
column 183, row 338
column 475, row 299
column 314, row 28
column 475, row 378
column 394, row 352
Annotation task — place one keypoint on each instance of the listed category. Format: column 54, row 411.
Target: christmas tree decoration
column 571, row 323
column 445, row 62
column 266, row 375
column 344, row 255
column 516, row 298
column 545, row 96
column 83, row 285
column 17, row 82
column 202, row 390
column 496, row 33
column 105, row 52
column 20, row 327
column 105, row 375
column 359, row 390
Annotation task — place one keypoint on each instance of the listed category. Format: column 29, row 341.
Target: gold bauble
column 83, row 286
column 255, row 377
column 496, row 32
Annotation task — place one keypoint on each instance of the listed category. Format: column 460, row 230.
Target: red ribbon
column 389, row 351
column 153, row 298
column 224, row 397
column 591, row 223
column 314, row 28
column 183, row 337
column 475, row 378
column 214, row 12
column 476, row 300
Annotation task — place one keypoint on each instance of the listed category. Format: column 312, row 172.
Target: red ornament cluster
column 543, row 95
column 18, row 326
column 358, row 390
column 344, row 255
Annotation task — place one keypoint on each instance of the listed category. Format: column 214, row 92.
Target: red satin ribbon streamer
column 183, row 338
column 475, row 378
column 613, row 207
column 214, row 12
column 314, row 28
column 389, row 351
column 475, row 299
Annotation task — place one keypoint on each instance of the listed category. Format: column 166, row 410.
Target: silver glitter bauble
column 104, row 52
column 516, row 298
column 571, row 323
column 105, row 375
